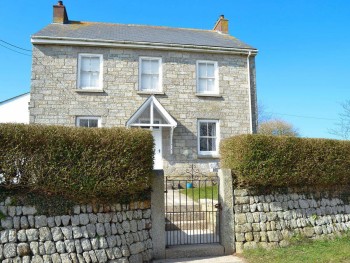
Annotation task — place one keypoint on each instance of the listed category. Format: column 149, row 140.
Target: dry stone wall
column 270, row 220
column 116, row 233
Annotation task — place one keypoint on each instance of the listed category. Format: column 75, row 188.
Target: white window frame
column 217, row 141
column 78, row 118
column 100, row 86
column 160, row 74
column 216, row 77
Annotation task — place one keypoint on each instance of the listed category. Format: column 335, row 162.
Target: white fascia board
column 139, row 45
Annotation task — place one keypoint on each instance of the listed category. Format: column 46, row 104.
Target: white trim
column 157, row 105
column 154, row 126
column 208, row 153
column 250, row 95
column 160, row 74
column 216, row 78
column 78, row 118
column 140, row 45
column 150, row 125
column 100, row 81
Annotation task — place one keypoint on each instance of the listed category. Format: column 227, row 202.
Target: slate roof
column 122, row 33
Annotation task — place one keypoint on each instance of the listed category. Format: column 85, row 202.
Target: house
column 191, row 87
column 15, row 109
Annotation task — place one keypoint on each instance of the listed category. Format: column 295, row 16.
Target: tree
column 343, row 125
column 263, row 115
column 277, row 127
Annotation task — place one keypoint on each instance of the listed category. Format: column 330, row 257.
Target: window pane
column 202, row 85
column 203, row 129
column 95, row 64
column 155, row 66
column 202, row 71
column 146, row 66
column 93, row 123
column 84, row 79
column 203, row 144
column 210, row 70
column 145, row 82
column 154, row 85
column 210, row 85
column 85, row 64
column 145, row 121
column 94, row 79
column 211, row 144
column 84, row 123
column 212, row 129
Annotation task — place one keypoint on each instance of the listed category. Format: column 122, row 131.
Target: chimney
column 60, row 14
column 221, row 25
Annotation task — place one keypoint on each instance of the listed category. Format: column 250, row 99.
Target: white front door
column 158, row 156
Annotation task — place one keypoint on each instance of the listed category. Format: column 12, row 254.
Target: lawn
column 336, row 250
column 208, row 192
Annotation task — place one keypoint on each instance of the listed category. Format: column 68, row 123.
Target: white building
column 15, row 109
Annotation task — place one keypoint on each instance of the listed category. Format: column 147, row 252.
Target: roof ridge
column 142, row 25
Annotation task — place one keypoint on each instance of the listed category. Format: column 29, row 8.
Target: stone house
column 191, row 87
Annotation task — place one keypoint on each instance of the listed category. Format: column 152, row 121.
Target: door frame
column 158, row 130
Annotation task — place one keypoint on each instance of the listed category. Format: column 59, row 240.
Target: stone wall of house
column 55, row 100
column 270, row 220
column 117, row 233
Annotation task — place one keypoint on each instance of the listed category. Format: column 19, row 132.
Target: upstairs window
column 208, row 137
column 90, row 71
column 150, row 74
column 89, row 122
column 207, row 77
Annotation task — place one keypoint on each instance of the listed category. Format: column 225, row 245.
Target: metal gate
column 192, row 211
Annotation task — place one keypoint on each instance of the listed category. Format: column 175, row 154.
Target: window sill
column 150, row 92
column 208, row 95
column 208, row 156
column 89, row 91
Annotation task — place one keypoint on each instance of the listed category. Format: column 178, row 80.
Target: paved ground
column 223, row 259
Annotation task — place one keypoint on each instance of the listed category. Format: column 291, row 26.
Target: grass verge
column 321, row 251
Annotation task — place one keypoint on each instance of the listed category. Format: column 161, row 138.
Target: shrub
column 270, row 161
column 81, row 163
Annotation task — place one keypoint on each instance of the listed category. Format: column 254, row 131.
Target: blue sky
column 304, row 46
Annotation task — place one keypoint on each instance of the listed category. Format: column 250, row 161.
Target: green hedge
column 83, row 164
column 271, row 161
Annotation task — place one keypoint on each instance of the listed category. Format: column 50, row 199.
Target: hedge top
column 271, row 161
column 80, row 163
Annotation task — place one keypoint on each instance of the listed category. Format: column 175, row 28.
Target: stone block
column 40, row 221
column 273, row 236
column 9, row 250
column 240, row 218
column 28, row 210
column 45, row 234
column 240, row 200
column 32, row 234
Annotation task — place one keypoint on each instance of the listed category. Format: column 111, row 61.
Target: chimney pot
column 60, row 3
column 221, row 25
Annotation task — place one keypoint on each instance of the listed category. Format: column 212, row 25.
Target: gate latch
column 218, row 206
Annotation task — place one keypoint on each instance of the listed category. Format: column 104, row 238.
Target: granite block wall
column 116, row 233
column 271, row 220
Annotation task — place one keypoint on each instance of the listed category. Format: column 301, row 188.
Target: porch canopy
column 151, row 114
